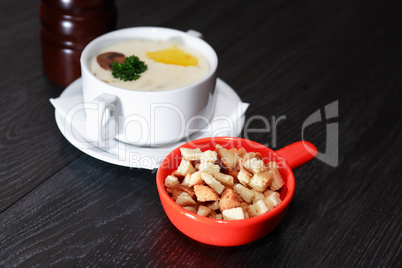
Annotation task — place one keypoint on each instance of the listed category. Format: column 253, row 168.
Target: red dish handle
column 298, row 153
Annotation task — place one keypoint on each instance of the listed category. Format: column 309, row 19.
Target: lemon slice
column 173, row 55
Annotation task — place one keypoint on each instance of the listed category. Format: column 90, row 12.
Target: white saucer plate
column 228, row 120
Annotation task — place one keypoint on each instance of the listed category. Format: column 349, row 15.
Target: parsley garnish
column 129, row 70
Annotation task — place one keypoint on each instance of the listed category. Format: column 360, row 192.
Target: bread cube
column 187, row 179
column 209, row 156
column 209, row 167
column 246, row 193
column 219, row 216
column 176, row 190
column 233, row 214
column 254, row 165
column 171, row 181
column 212, row 182
column 241, row 152
column 214, row 205
column 244, row 177
column 277, row 181
column 228, row 157
column 229, row 199
column 260, row 181
column 257, row 208
column 191, row 154
column 203, row 211
column 184, row 200
column 257, row 196
column 272, row 199
column 205, row 193
column 196, row 179
column 251, row 155
column 225, row 179
column 246, row 215
column 190, row 208
column 184, row 168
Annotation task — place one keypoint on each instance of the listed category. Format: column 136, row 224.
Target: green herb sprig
column 129, row 70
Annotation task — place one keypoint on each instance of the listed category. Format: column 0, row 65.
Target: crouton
column 254, row 165
column 209, row 167
column 257, row 196
column 184, row 200
column 212, row 182
column 229, row 199
column 186, row 180
column 209, row 156
column 272, row 199
column 214, row 205
column 190, row 208
column 246, row 215
column 225, row 179
column 219, row 216
column 244, row 192
column 171, row 181
column 277, row 181
column 242, row 152
column 205, row 193
column 203, row 211
column 244, row 176
column 251, row 155
column 228, row 157
column 244, row 206
column 176, row 190
column 191, row 154
column 184, row 168
column 212, row 214
column 260, row 181
column 196, row 179
column 233, row 214
column 257, row 209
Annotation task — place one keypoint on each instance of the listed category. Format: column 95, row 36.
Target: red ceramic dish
column 237, row 232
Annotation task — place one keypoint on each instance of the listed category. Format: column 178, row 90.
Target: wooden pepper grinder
column 67, row 27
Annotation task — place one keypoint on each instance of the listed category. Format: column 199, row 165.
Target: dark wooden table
column 288, row 59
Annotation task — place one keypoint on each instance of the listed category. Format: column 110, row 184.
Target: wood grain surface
column 288, row 59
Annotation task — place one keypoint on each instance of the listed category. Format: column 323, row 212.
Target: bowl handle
column 298, row 153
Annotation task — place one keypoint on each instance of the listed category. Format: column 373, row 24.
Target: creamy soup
column 162, row 73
